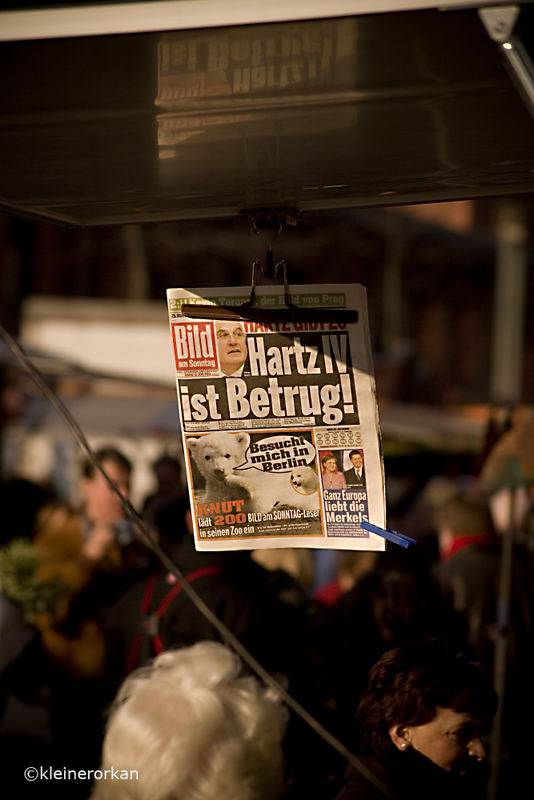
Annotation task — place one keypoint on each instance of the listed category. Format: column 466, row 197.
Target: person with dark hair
column 390, row 604
column 109, row 454
column 420, row 721
column 83, row 546
column 25, row 720
column 155, row 615
column 170, row 484
column 469, row 567
column 20, row 501
column 355, row 475
column 94, row 554
column 103, row 522
column 162, row 507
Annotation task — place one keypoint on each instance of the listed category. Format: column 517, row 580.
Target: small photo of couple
column 343, row 469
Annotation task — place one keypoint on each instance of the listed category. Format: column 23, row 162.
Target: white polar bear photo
column 218, row 454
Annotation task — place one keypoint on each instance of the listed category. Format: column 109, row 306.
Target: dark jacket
column 352, row 478
column 469, row 579
column 248, row 599
column 407, row 776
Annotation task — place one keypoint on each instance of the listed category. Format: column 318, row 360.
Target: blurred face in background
column 101, row 502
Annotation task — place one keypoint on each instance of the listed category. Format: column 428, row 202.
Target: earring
column 404, row 745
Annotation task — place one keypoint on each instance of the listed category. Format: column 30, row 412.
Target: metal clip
column 249, row 311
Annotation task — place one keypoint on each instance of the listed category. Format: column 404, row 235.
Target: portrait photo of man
column 232, row 347
column 355, row 475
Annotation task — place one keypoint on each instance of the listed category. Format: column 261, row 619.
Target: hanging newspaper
column 279, row 420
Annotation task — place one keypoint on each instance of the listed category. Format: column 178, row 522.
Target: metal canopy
column 354, row 111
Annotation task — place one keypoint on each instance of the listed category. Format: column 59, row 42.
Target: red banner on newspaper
column 195, row 352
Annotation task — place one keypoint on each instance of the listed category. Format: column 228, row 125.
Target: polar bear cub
column 218, row 454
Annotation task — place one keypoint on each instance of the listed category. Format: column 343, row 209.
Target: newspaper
column 279, row 421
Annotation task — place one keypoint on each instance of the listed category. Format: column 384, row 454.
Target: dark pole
column 506, row 389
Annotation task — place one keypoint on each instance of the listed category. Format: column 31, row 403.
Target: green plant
column 19, row 562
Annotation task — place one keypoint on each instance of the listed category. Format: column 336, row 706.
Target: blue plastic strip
column 391, row 536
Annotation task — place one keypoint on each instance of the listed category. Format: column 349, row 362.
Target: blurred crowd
column 85, row 602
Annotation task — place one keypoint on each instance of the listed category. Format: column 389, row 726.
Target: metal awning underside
column 353, row 111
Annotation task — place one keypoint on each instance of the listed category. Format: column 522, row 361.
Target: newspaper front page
column 279, row 421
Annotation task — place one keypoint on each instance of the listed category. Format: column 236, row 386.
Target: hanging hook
column 271, row 269
column 268, row 222
column 281, row 266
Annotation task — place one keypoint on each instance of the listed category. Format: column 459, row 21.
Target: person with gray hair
column 189, row 727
